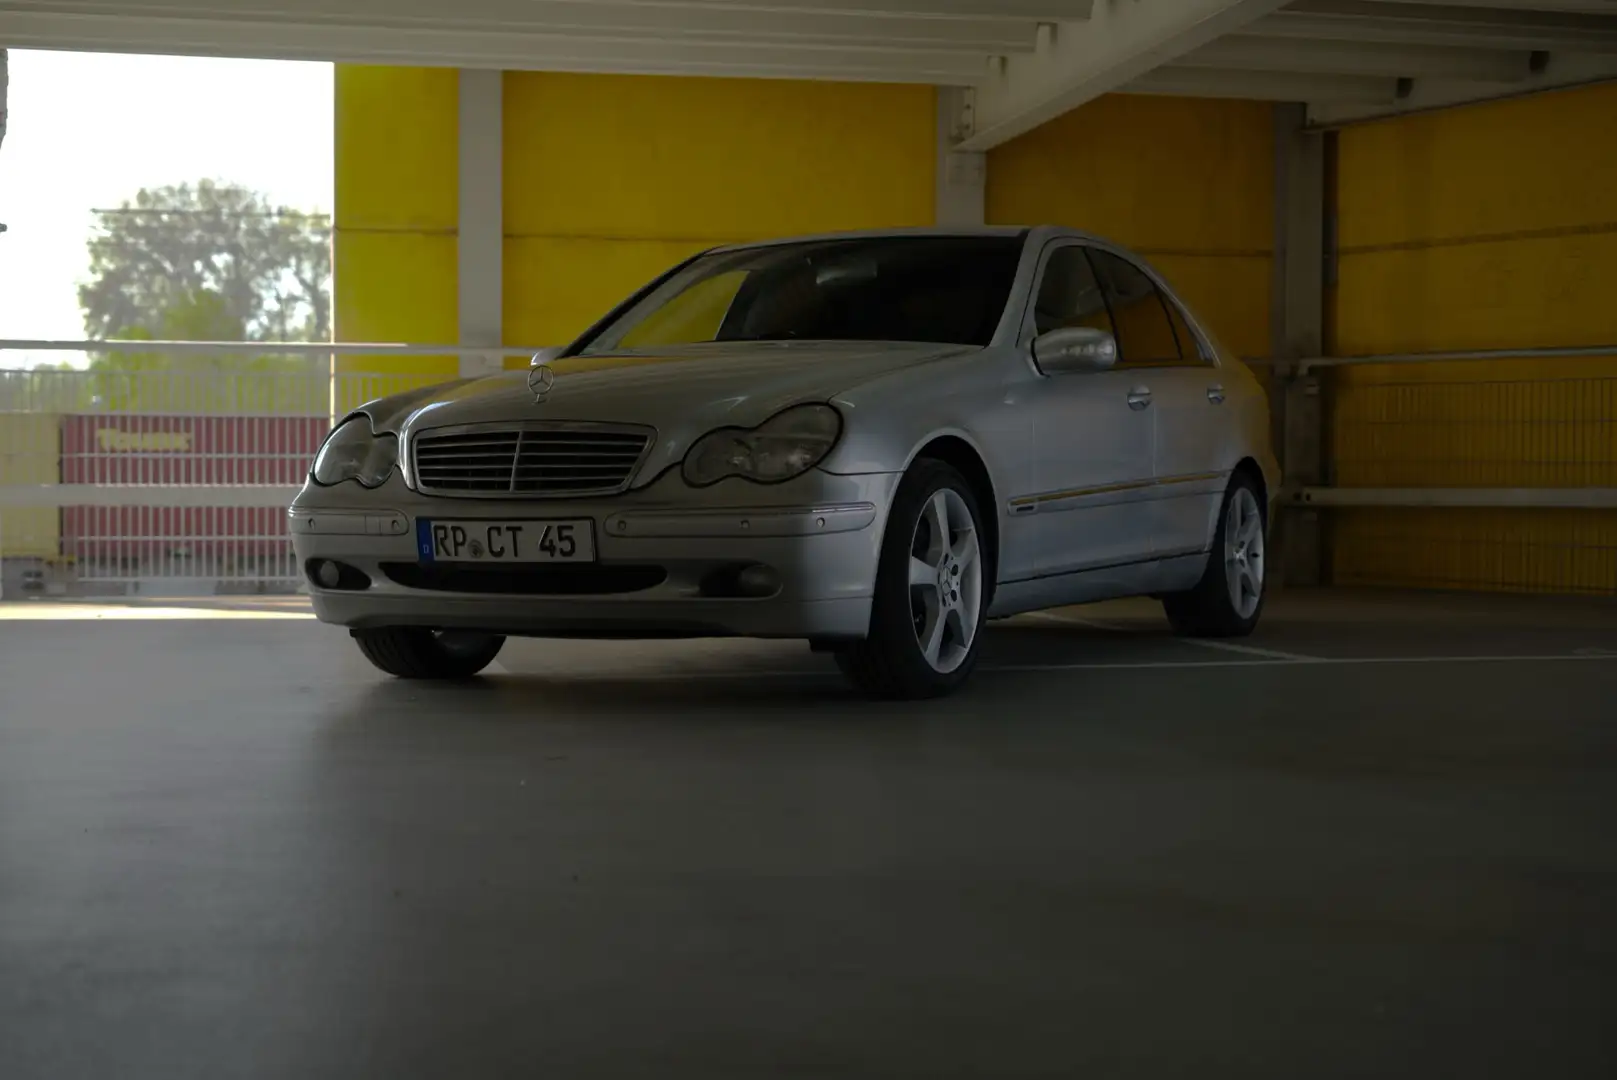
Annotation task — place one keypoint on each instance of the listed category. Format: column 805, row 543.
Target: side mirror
column 1074, row 349
column 545, row 356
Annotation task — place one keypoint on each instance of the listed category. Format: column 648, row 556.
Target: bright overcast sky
column 87, row 130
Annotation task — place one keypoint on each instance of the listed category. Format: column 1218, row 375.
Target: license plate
column 566, row 541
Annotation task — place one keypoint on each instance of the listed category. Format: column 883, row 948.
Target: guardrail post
column 1297, row 305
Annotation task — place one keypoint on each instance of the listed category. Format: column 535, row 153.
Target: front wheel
column 1229, row 598
column 932, row 588
column 410, row 652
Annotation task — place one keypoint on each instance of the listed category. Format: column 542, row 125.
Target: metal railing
column 1479, row 469
column 1503, row 431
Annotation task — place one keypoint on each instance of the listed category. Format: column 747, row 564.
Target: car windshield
column 937, row 289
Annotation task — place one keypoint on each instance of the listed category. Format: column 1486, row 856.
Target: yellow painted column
column 611, row 179
column 1186, row 182
column 1487, row 227
column 397, row 212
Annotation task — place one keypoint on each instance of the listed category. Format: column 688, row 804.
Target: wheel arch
column 959, row 453
column 1248, row 466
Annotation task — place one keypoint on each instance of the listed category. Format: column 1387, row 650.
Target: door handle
column 1139, row 398
column 1215, row 394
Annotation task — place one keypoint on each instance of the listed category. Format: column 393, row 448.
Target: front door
column 1187, row 398
column 1092, row 437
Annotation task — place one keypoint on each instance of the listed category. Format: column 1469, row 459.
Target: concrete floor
column 1378, row 839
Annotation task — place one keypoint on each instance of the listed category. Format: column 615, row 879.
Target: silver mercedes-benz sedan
column 871, row 441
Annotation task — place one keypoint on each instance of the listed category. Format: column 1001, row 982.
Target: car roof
column 1017, row 232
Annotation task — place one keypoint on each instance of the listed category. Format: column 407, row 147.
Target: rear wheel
column 1229, row 598
column 932, row 587
column 410, row 652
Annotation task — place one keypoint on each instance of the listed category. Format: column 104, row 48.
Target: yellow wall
column 1186, row 182
column 30, row 454
column 610, row 179
column 1492, row 226
column 397, row 214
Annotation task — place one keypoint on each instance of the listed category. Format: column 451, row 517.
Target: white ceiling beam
column 1604, row 7
column 1244, row 52
column 1035, row 10
column 538, row 11
column 1381, row 22
column 1075, row 62
column 1265, row 86
column 719, row 24
column 1428, row 94
column 475, row 49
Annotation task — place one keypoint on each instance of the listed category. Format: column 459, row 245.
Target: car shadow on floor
column 760, row 681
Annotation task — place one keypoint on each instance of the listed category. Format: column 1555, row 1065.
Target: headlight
column 353, row 452
column 786, row 445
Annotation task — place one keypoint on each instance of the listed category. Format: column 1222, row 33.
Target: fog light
column 740, row 582
column 758, row 581
column 330, row 574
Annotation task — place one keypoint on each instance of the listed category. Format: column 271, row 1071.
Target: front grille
column 538, row 460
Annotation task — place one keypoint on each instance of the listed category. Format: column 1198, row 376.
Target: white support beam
column 1297, row 324
column 1602, row 7
column 1246, row 52
column 1177, row 81
column 306, row 21
column 480, row 240
column 1121, row 41
column 1570, row 498
column 962, row 175
column 1380, row 22
column 39, row 496
column 1429, row 94
column 512, row 12
column 511, row 50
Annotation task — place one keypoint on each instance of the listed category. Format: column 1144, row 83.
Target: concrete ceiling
column 1024, row 61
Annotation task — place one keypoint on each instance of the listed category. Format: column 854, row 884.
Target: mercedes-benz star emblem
column 541, row 380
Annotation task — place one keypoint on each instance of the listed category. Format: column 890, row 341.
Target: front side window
column 1069, row 294
column 1145, row 332
column 949, row 290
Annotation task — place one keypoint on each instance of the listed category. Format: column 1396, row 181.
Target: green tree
column 210, row 262
column 267, row 269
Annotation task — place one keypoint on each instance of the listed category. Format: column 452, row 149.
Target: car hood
column 683, row 393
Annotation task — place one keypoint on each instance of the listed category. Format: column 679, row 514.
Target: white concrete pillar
column 962, row 177
column 482, row 221
column 1297, row 307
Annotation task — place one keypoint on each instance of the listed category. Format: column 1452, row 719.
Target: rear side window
column 1145, row 331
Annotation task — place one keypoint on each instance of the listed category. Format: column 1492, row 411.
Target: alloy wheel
column 946, row 581
column 1244, row 552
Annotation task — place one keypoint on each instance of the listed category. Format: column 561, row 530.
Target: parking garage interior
column 1373, row 839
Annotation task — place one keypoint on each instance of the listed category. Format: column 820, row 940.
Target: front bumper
column 666, row 559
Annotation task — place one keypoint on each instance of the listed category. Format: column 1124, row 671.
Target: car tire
column 927, row 593
column 410, row 652
column 1228, row 599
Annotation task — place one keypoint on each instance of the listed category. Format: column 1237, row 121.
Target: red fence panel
column 111, row 448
